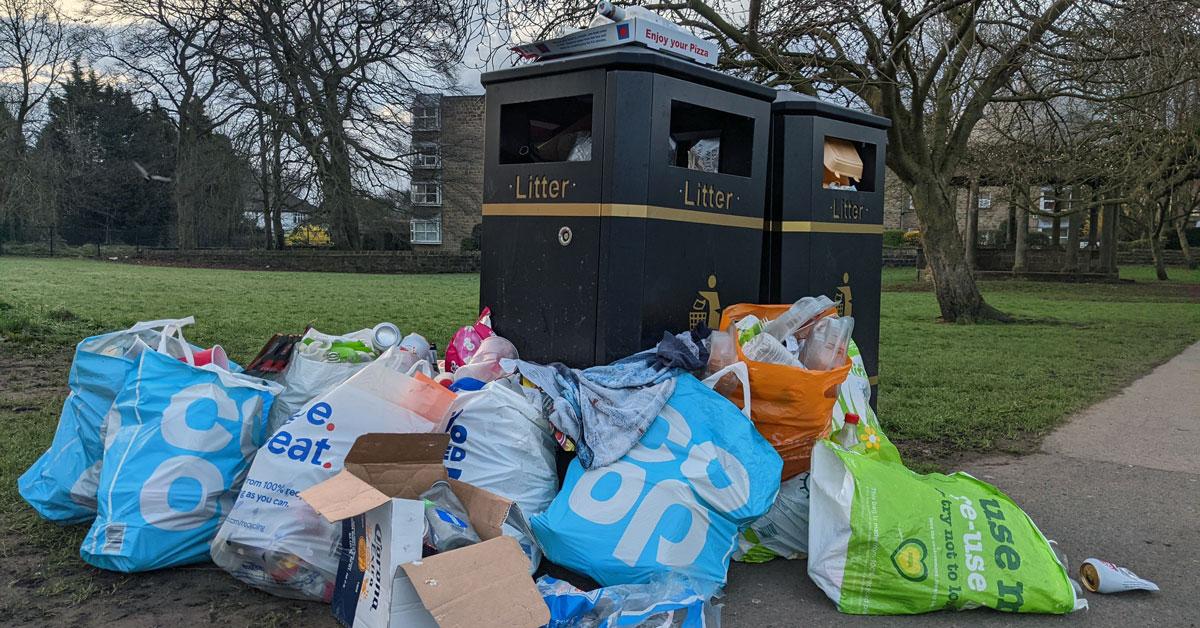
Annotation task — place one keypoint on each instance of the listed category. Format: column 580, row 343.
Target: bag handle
column 159, row 324
column 175, row 332
column 743, row 374
column 422, row 366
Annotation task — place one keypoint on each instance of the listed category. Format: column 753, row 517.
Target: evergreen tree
column 95, row 133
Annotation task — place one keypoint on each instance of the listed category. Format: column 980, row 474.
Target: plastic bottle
column 800, row 313
column 826, row 345
column 765, row 348
column 848, row 436
column 747, row 328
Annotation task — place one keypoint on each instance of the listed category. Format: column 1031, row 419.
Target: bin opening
column 538, row 131
column 709, row 140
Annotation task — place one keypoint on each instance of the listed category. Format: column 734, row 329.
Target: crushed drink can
column 447, row 526
column 1101, row 576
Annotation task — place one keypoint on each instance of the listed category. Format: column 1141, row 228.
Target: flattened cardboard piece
column 342, row 496
column 483, row 584
column 486, row 510
column 841, row 159
column 398, row 448
column 377, row 468
column 650, row 34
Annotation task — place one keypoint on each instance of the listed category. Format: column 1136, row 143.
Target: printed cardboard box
column 382, row 580
column 634, row 30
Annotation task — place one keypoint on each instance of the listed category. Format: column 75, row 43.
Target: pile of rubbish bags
column 481, row 489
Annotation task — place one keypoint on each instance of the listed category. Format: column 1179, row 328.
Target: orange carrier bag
column 791, row 407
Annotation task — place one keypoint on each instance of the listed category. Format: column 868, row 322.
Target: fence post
column 51, row 240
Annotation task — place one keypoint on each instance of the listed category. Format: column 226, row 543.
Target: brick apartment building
column 447, row 171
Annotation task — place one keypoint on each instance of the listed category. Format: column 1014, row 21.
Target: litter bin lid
column 632, row 58
column 793, row 103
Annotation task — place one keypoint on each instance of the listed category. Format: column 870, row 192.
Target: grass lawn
column 946, row 391
column 943, row 388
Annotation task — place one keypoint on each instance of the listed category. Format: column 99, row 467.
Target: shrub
column 893, row 237
column 309, row 235
column 1037, row 239
column 912, row 237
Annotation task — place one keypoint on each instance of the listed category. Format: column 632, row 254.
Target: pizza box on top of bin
column 383, row 580
column 634, row 30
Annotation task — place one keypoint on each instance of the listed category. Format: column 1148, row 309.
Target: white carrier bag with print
column 272, row 539
column 177, row 443
column 307, row 376
column 501, row 441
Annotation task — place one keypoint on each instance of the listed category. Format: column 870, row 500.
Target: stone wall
column 384, row 262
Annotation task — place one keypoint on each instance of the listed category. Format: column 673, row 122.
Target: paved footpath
column 1120, row 481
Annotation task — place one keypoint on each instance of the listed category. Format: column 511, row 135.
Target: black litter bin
column 826, row 211
column 624, row 196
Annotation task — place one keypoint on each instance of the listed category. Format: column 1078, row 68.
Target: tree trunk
column 1108, row 239
column 1071, row 255
column 1156, row 251
column 338, row 190
column 1009, row 237
column 276, row 187
column 1181, row 234
column 1020, row 233
column 185, row 186
column 954, row 283
column 972, row 237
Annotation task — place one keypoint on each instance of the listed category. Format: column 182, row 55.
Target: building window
column 427, row 155
column 427, row 230
column 1046, row 204
column 426, row 193
column 426, row 115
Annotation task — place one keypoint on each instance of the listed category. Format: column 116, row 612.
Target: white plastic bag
column 502, row 442
column 783, row 531
column 307, row 377
column 272, row 539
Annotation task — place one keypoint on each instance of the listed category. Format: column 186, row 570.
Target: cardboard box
column 653, row 35
column 383, row 581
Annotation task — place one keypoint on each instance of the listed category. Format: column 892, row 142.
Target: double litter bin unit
column 624, row 196
column 826, row 212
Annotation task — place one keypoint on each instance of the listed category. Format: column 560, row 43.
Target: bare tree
column 164, row 46
column 348, row 70
column 35, row 45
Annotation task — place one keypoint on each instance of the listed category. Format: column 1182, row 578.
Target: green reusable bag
column 783, row 531
column 886, row 541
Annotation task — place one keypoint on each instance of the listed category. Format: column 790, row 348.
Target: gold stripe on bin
column 874, row 380
column 670, row 214
column 809, row 226
column 620, row 210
